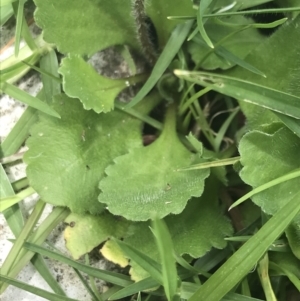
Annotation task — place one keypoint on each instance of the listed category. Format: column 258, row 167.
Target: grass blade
column 111, row 277
column 13, row 214
column 24, row 97
column 41, row 266
column 19, row 13
column 144, row 261
column 49, row 64
column 53, row 219
column 8, row 201
column 26, row 231
column 145, row 284
column 247, row 91
column 165, row 249
column 223, row 162
column 292, row 123
column 292, row 175
column 243, row 260
column 19, row 133
column 35, row 290
column 205, row 5
column 176, row 40
column 6, row 12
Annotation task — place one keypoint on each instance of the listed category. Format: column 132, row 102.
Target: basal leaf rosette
column 80, row 80
column 85, row 27
column 145, row 183
column 200, row 227
column 267, row 154
column 67, row 157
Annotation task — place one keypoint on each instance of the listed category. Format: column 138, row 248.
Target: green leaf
column 67, row 157
column 28, row 99
column 86, row 232
column 200, row 227
column 146, row 179
column 88, row 26
column 143, row 260
column 158, row 11
column 80, row 80
column 276, row 151
column 111, row 277
column 19, row 133
column 247, row 91
column 26, row 231
column 35, row 290
column 6, row 12
column 205, row 6
column 165, row 248
column 288, row 265
column 175, row 42
column 243, row 260
column 8, row 201
column 276, row 154
column 57, row 215
column 237, row 43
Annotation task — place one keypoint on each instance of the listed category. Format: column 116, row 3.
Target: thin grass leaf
column 243, row 260
column 19, row 14
column 50, row 77
column 205, row 5
column 263, row 272
column 292, row 277
column 254, row 12
column 35, row 290
column 26, row 231
column 145, row 284
column 146, row 118
column 5, row 13
column 19, row 133
column 13, row 69
column 144, row 261
column 247, row 91
column 38, row 237
column 24, row 97
column 181, row 261
column 223, row 162
column 6, row 2
column 42, row 268
column 111, row 277
column 86, row 285
column 291, row 123
column 227, row 55
column 15, row 221
column 20, row 184
column 189, row 288
column 173, row 45
column 168, row 263
column 13, row 215
column 224, row 128
column 8, row 201
column 292, row 175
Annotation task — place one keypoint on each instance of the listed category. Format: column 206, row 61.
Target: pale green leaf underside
column 145, row 184
column 67, row 156
column 276, row 154
column 84, row 27
column 95, row 91
column 86, row 232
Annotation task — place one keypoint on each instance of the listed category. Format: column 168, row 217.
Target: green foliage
column 159, row 189
column 150, row 180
